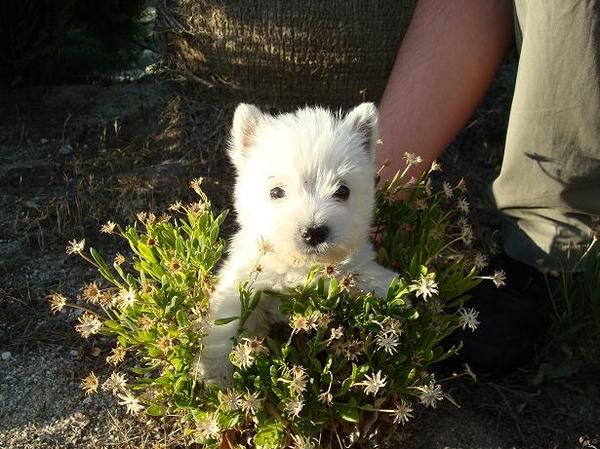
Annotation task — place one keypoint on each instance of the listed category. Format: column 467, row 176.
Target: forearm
column 445, row 64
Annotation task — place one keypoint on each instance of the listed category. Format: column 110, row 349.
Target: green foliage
column 48, row 41
column 347, row 362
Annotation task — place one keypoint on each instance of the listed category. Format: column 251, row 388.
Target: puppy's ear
column 364, row 119
column 243, row 132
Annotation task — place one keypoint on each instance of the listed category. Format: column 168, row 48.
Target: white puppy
column 305, row 188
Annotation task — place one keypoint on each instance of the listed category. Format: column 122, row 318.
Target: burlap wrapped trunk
column 287, row 53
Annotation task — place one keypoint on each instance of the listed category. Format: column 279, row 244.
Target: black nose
column 314, row 236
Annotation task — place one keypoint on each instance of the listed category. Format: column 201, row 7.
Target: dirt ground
column 73, row 157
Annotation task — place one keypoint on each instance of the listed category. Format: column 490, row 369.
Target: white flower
column 430, row 394
column 88, row 325
column 115, row 383
column 75, row 247
column 299, row 323
column 299, row 380
column 293, row 407
column 402, row 413
column 255, row 345
column 468, row 317
column 302, row 442
column 209, row 427
column 336, row 334
column 250, row 402
column 326, row 398
column 242, row 356
column 57, row 302
column 230, row 400
column 447, row 189
column 426, row 287
column 466, row 235
column 499, row 278
column 463, row 205
column 133, row 404
column 127, row 297
column 480, row 261
column 391, row 325
column 412, row 159
column 109, row 227
column 387, row 342
column 374, row 383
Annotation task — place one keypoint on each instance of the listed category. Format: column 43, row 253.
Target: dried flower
column 91, row 293
column 336, row 334
column 293, row 407
column 302, row 442
column 353, row 349
column 208, row 427
column 196, row 184
column 412, row 159
column 326, row 398
column 499, row 278
column 57, row 302
column 90, row 384
column 468, row 318
column 88, row 325
column 176, row 206
column 463, row 205
column 347, row 282
column 447, row 189
column 264, row 246
column 391, row 325
column 299, row 323
column 119, row 259
column 430, row 394
column 402, row 413
column 480, row 261
column 230, row 400
column 75, row 247
column 250, row 402
column 330, row 271
column 436, row 166
column 117, row 355
column 115, row 383
column 299, row 379
column 109, row 227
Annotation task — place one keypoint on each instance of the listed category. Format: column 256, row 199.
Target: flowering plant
column 348, row 361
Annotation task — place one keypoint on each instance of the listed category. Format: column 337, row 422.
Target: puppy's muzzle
column 314, row 235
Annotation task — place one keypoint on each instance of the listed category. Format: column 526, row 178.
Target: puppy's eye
column 342, row 193
column 277, row 193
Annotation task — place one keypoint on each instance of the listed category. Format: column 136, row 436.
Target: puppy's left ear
column 364, row 120
column 243, row 132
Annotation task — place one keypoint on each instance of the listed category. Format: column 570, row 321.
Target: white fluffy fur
column 308, row 154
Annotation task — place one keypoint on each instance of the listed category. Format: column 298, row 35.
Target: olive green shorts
column 548, row 189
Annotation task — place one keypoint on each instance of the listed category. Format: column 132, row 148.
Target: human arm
column 447, row 60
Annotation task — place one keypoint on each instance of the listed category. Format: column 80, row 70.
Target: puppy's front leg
column 217, row 344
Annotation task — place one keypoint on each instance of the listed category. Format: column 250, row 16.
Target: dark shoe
column 514, row 321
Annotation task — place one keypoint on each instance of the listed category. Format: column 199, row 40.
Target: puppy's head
column 305, row 181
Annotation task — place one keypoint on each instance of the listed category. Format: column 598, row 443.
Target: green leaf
column 155, row 410
column 222, row 321
column 269, row 435
column 348, row 412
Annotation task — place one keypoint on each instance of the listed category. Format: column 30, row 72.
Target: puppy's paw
column 214, row 367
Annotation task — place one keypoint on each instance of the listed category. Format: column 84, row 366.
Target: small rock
column 43, row 141
column 65, row 149
column 6, row 355
column 73, row 353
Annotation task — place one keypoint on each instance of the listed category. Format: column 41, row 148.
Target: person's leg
column 549, row 185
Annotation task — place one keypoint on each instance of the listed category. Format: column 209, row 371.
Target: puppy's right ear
column 243, row 132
